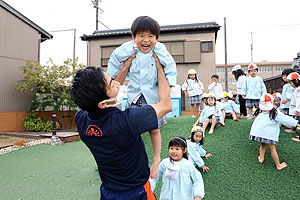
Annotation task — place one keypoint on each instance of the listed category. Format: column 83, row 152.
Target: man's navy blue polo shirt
column 114, row 138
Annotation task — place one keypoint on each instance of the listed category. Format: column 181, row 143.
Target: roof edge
column 44, row 34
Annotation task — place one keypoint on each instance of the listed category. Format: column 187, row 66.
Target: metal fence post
column 54, row 118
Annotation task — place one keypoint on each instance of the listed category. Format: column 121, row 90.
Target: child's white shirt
column 216, row 89
column 193, row 87
column 295, row 102
column 240, row 83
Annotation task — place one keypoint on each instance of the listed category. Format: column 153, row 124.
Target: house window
column 280, row 69
column 207, row 46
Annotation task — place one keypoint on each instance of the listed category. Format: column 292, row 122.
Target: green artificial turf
column 69, row 171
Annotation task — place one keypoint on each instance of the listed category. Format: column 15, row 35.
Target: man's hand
column 297, row 114
column 197, row 198
column 157, row 62
column 154, row 169
column 243, row 96
column 124, row 71
column 127, row 63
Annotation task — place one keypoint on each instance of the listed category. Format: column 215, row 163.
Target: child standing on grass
column 180, row 179
column 287, row 92
column 277, row 99
column 215, row 87
column 265, row 128
column 195, row 149
column 142, row 74
column 240, row 77
column 294, row 79
column 211, row 113
column 252, row 89
column 192, row 89
column 229, row 107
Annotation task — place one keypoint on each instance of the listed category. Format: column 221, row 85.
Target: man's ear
column 102, row 105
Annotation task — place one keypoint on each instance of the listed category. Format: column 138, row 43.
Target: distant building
column 20, row 40
column 191, row 46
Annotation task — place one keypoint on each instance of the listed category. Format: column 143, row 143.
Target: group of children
column 180, row 177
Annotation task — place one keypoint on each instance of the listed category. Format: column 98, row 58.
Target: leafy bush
column 34, row 123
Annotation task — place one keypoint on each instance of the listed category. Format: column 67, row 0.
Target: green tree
column 51, row 84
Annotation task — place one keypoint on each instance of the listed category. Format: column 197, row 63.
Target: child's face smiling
column 198, row 137
column 176, row 153
column 145, row 41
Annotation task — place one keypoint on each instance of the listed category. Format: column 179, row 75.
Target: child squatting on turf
column 211, row 113
column 180, row 179
column 192, row 89
column 229, row 107
column 195, row 150
column 142, row 74
column 265, row 128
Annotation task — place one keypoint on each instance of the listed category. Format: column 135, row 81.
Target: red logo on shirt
column 93, row 130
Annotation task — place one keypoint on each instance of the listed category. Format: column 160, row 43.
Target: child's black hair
column 181, row 142
column 238, row 73
column 272, row 113
column 192, row 137
column 214, row 76
column 145, row 23
column 296, row 82
column 188, row 77
column 287, row 71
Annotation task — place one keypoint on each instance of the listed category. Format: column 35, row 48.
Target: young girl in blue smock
column 195, row 150
column 265, row 128
column 211, row 113
column 180, row 179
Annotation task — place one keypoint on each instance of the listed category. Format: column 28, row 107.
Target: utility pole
column 225, row 47
column 97, row 12
column 251, row 48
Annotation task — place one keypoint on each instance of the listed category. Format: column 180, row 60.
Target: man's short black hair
column 145, row 23
column 89, row 88
column 287, row 71
column 215, row 76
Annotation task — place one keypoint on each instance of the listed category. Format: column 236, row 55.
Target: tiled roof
column 212, row 26
column 44, row 34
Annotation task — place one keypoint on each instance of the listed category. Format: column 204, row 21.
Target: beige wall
column 19, row 42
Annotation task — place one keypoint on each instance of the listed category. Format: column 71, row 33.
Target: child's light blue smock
column 287, row 93
column 187, row 185
column 142, row 73
column 253, row 88
column 230, row 106
column 209, row 111
column 195, row 153
column 266, row 128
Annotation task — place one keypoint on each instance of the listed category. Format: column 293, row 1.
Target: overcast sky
column 275, row 24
